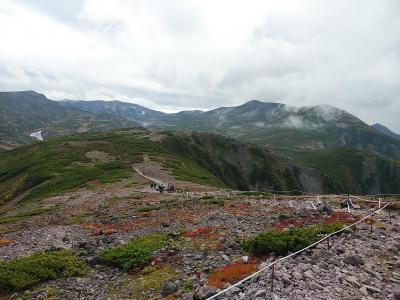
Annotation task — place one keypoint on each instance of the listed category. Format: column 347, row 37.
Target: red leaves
column 341, row 217
column 199, row 231
column 5, row 242
column 335, row 217
column 231, row 273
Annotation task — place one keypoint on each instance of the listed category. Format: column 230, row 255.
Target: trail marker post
column 371, row 224
column 272, row 277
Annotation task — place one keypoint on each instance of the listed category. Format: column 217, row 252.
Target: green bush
column 188, row 287
column 25, row 272
column 148, row 208
column 135, row 254
column 281, row 242
column 213, row 201
column 27, row 214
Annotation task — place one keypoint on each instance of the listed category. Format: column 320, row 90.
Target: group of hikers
column 161, row 187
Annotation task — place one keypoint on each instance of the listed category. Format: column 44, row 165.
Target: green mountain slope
column 383, row 129
column 64, row 163
column 285, row 129
column 355, row 171
column 23, row 113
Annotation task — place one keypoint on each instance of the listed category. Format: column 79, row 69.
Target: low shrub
column 231, row 274
column 25, row 272
column 4, row 242
column 27, row 214
column 188, row 287
column 206, row 197
column 213, row 201
column 148, row 208
column 77, row 218
column 282, row 242
column 200, row 231
column 135, row 254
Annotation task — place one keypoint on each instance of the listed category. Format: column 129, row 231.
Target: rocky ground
column 205, row 234
column 358, row 265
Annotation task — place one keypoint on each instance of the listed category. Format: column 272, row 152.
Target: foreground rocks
column 359, row 265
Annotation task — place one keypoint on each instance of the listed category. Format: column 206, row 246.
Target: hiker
column 161, row 188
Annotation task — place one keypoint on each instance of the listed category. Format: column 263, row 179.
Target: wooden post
column 272, row 278
column 371, row 225
column 329, row 237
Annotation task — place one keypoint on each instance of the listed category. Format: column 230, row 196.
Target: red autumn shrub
column 5, row 242
column 341, row 217
column 231, row 274
column 199, row 231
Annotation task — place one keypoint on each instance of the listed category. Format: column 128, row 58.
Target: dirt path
column 158, row 181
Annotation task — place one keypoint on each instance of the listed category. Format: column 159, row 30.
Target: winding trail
column 158, row 181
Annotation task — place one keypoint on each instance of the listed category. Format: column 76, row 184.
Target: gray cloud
column 174, row 55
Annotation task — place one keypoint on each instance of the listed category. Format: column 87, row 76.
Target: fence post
column 329, row 237
column 272, row 278
column 371, row 224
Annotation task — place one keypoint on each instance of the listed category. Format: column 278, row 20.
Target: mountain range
column 343, row 153
column 25, row 113
column 282, row 128
column 383, row 129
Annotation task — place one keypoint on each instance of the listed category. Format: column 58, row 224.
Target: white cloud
column 204, row 54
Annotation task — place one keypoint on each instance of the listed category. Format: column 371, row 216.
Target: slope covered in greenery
column 26, row 112
column 355, row 171
column 285, row 129
column 64, row 163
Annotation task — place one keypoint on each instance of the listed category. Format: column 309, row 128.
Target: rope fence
column 327, row 237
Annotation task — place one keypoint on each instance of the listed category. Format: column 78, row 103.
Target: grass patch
column 186, row 170
column 23, row 215
column 188, row 287
column 25, row 272
column 281, row 242
column 77, row 218
column 135, row 254
column 151, row 278
column 148, row 208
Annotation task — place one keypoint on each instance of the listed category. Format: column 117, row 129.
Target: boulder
column 396, row 294
column 297, row 275
column 353, row 260
column 168, row 288
column 260, row 293
column 187, row 296
column 206, row 292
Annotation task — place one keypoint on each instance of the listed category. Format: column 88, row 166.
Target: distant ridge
column 26, row 112
column 383, row 129
column 130, row 111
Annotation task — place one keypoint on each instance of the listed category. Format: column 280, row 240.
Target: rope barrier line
column 295, row 253
column 370, row 201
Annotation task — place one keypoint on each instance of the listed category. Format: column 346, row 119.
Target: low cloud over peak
column 189, row 54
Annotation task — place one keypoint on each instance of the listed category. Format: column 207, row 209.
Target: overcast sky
column 173, row 55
